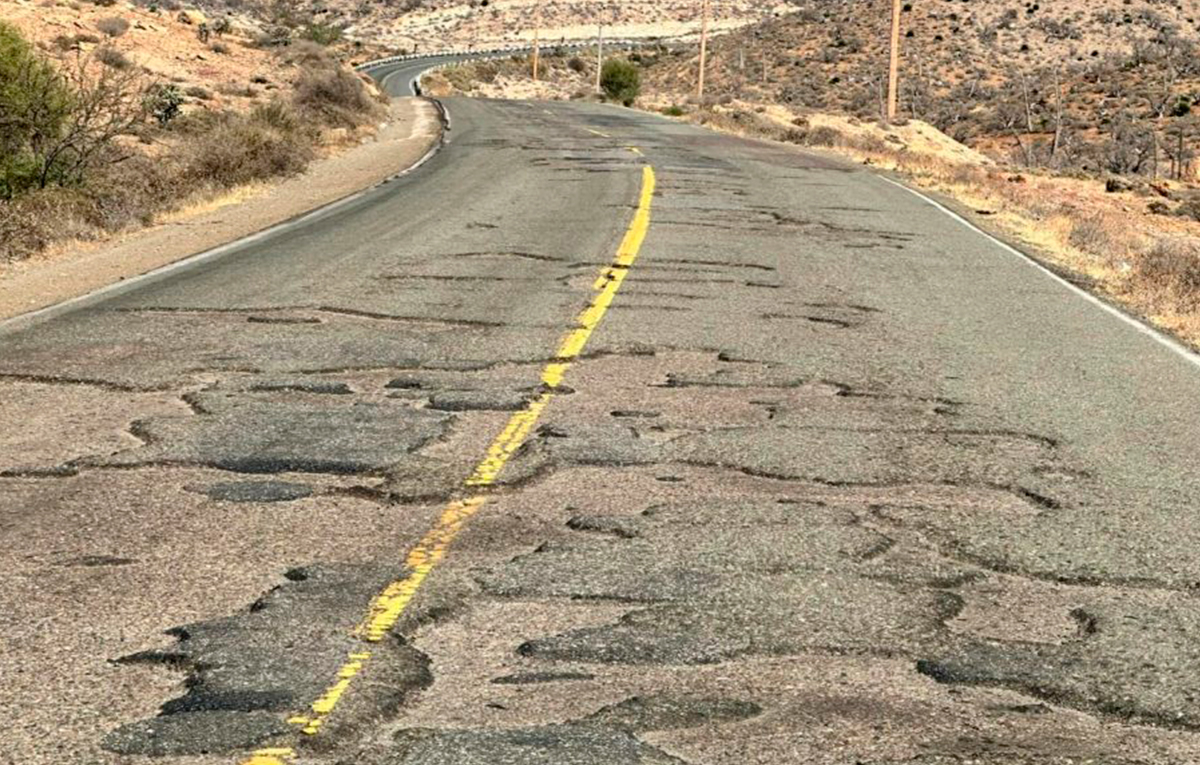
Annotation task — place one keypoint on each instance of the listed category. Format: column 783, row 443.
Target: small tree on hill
column 56, row 125
column 621, row 81
column 35, row 104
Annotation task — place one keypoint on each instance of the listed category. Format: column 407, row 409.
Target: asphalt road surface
column 399, row 77
column 600, row 439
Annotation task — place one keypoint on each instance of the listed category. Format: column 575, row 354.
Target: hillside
column 117, row 114
column 222, row 70
column 453, row 23
column 1072, row 84
column 417, row 25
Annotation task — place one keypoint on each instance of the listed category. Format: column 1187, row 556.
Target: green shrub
column 164, row 103
column 322, row 34
column 621, row 81
column 279, row 115
column 674, row 110
column 35, row 104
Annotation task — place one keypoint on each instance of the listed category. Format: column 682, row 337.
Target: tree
column 35, row 104
column 59, row 123
column 621, row 81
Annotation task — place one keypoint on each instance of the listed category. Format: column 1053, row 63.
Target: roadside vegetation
column 564, row 73
column 92, row 144
column 621, row 81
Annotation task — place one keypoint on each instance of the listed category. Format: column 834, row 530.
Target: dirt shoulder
column 64, row 273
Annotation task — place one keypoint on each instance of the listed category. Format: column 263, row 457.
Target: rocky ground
column 224, row 71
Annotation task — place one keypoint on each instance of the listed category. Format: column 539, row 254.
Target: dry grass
column 113, row 26
column 1170, row 270
column 241, row 149
column 205, row 202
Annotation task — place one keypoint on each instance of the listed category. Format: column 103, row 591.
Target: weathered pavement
column 834, row 480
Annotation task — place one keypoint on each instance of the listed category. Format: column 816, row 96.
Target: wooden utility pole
column 599, row 56
column 703, row 50
column 894, row 65
column 537, row 34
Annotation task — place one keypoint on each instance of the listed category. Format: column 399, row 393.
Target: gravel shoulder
column 64, row 274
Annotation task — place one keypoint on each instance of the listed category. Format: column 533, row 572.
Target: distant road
column 601, row 439
column 399, row 78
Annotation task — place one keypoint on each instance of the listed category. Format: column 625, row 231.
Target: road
column 600, row 439
column 399, row 77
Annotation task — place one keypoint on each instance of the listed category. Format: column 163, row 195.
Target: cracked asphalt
column 835, row 480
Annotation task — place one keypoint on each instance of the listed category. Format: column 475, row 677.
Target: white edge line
column 1167, row 342
column 23, row 320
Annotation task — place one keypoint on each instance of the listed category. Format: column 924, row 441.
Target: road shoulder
column 412, row 132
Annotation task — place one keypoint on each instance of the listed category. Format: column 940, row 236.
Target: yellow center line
column 387, row 606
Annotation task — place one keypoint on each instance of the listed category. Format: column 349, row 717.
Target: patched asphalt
column 835, row 480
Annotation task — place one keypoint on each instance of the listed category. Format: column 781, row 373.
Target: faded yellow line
column 597, row 132
column 387, row 607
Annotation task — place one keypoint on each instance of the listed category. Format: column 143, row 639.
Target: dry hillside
column 454, row 23
column 461, row 24
column 1074, row 84
column 223, row 70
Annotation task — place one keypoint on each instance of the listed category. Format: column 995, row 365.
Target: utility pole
column 599, row 55
column 894, row 65
column 537, row 33
column 703, row 50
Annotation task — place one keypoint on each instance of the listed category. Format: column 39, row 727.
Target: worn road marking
column 597, row 132
column 387, row 607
